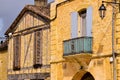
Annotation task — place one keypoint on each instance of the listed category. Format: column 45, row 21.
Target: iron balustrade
column 78, row 45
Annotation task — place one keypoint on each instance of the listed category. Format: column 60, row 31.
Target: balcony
column 78, row 49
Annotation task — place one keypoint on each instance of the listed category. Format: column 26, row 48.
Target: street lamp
column 102, row 11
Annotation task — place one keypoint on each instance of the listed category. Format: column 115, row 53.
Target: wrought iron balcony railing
column 78, row 45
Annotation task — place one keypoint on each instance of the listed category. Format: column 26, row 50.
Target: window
column 82, row 15
column 17, row 51
column 37, row 49
column 81, row 23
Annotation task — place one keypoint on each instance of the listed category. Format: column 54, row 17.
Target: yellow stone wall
column 99, row 66
column 27, row 41
column 117, row 39
column 3, row 64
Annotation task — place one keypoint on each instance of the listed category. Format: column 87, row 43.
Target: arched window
column 81, row 23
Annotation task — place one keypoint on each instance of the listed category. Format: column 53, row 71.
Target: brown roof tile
column 44, row 11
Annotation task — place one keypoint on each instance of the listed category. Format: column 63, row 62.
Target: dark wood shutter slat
column 38, row 48
column 34, row 48
column 38, row 60
column 41, row 35
column 17, row 49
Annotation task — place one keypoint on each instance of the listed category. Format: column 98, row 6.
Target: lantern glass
column 102, row 11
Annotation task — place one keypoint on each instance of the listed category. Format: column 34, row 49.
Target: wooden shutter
column 17, row 51
column 74, row 24
column 89, row 20
column 38, row 49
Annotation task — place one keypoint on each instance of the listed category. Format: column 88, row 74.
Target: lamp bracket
column 112, row 3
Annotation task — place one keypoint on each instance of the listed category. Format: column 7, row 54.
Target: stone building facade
column 3, row 60
column 29, row 43
column 81, row 42
column 65, row 41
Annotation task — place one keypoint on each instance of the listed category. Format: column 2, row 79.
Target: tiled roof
column 39, row 10
column 43, row 11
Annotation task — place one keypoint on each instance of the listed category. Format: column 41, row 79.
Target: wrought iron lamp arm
column 112, row 3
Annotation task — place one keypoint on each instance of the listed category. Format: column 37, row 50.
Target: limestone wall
column 99, row 67
column 3, row 65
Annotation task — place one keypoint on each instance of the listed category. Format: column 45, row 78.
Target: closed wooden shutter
column 74, row 24
column 17, row 51
column 38, row 49
column 89, row 20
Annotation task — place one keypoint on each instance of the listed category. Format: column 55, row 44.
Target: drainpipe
column 113, row 53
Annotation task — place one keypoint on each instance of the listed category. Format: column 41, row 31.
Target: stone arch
column 83, row 75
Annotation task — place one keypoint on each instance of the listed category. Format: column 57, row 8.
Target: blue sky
column 9, row 9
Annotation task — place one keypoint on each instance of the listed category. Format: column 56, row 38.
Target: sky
column 9, row 10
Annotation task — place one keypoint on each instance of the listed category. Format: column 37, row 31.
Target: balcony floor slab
column 82, row 58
